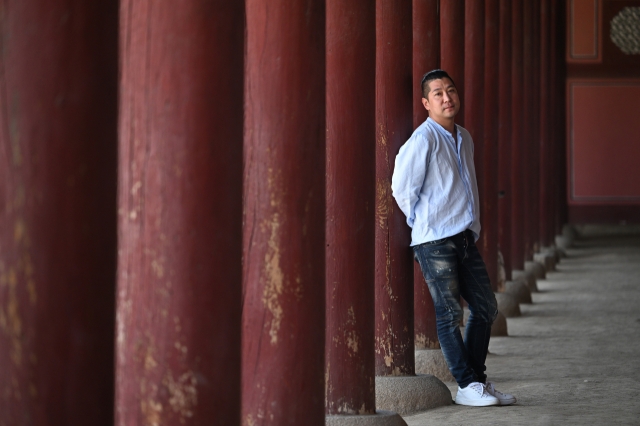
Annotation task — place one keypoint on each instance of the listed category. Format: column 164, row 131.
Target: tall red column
column 505, row 144
column 180, row 213
column 518, row 140
column 526, row 135
column 58, row 118
column 490, row 158
column 557, row 83
column 546, row 170
column 452, row 51
column 473, row 102
column 426, row 50
column 556, row 56
column 534, row 222
column 284, row 234
column 350, row 198
column 394, row 344
column 558, row 41
column 426, row 57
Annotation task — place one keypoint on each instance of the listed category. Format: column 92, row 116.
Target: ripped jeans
column 452, row 267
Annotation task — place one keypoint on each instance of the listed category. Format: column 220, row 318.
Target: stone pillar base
column 529, row 276
column 554, row 251
column 564, row 241
column 547, row 260
column 536, row 268
column 508, row 305
column 381, row 418
column 519, row 290
column 431, row 361
column 499, row 327
column 411, row 394
column 569, row 231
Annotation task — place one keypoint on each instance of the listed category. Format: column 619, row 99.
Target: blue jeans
column 452, row 267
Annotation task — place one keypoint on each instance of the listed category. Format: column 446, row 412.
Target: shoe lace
column 478, row 387
column 492, row 389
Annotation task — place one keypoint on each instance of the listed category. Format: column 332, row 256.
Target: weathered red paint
column 452, row 56
column 180, row 213
column 489, row 197
column 284, row 233
column 504, row 136
column 527, row 136
column 518, row 140
column 394, row 344
column 426, row 57
column 547, row 171
column 350, row 199
column 426, row 50
column 58, row 135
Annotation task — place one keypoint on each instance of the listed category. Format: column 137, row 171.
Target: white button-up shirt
column 434, row 183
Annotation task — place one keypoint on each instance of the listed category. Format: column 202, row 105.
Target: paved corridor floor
column 573, row 357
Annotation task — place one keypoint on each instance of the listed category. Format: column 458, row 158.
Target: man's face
column 442, row 101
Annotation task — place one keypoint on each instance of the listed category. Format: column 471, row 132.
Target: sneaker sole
column 477, row 403
column 507, row 401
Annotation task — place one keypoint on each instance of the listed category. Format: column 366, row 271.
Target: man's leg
column 475, row 288
column 439, row 264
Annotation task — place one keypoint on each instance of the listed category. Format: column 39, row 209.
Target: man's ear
column 425, row 103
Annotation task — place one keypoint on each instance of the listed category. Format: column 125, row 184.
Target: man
column 434, row 184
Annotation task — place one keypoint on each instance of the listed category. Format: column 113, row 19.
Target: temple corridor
column 197, row 224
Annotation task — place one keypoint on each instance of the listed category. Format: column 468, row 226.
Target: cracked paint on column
column 274, row 277
column 183, row 393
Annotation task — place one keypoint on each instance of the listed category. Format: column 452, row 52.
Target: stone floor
column 573, row 357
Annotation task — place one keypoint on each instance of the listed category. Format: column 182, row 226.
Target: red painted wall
column 603, row 100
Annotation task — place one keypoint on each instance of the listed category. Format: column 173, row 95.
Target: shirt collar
column 442, row 130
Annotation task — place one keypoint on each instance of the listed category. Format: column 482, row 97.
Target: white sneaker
column 504, row 398
column 475, row 395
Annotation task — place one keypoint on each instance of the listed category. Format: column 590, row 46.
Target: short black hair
column 430, row 76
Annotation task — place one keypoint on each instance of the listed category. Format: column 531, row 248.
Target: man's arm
column 409, row 174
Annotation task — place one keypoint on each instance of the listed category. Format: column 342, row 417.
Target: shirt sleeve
column 409, row 174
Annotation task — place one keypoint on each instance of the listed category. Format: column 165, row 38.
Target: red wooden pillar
column 518, row 140
column 284, row 234
column 350, row 198
column 548, row 178
column 426, row 57
column 534, row 163
column 426, row 50
column 58, row 118
column 505, row 144
column 491, row 106
column 473, row 102
column 179, row 269
column 452, row 52
column 556, row 57
column 394, row 345
column 557, row 84
column 559, row 73
column 527, row 136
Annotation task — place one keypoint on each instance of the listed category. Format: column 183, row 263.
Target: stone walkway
column 573, row 357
